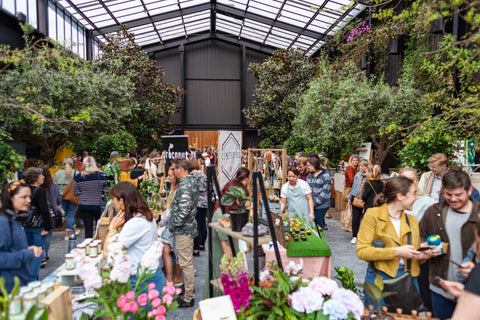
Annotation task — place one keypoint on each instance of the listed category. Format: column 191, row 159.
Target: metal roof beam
column 183, row 41
column 154, row 18
column 240, row 14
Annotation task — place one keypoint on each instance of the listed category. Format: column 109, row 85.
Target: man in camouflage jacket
column 184, row 226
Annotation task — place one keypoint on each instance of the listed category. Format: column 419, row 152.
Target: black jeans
column 201, row 217
column 89, row 218
column 356, row 218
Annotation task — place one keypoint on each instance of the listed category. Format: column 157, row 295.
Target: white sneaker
column 354, row 240
column 77, row 233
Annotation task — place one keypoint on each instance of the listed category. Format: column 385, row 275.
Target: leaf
column 373, row 291
column 31, row 313
column 227, row 200
column 379, row 282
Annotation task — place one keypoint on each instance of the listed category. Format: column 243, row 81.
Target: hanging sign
column 229, row 155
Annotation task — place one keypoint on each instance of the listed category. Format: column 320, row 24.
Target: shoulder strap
column 35, row 191
column 372, row 188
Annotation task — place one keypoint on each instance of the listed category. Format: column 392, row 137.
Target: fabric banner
column 229, row 155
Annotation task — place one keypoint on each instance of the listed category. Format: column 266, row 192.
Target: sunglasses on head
column 14, row 186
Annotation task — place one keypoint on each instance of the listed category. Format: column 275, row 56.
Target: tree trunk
column 382, row 149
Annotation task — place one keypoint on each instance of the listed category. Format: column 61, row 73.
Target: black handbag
column 34, row 217
column 407, row 296
column 58, row 218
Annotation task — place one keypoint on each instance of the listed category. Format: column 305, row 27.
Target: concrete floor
column 343, row 254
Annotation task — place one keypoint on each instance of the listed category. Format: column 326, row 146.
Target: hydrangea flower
column 335, row 309
column 152, row 255
column 324, row 286
column 350, row 300
column 306, row 300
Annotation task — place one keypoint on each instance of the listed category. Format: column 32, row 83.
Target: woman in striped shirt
column 88, row 185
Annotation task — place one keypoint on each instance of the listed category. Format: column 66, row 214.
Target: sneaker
column 66, row 238
column 184, row 304
column 43, row 264
column 202, row 248
column 354, row 240
column 77, row 233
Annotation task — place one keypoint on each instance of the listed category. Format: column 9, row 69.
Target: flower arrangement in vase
column 113, row 292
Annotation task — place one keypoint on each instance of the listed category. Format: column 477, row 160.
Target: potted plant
column 239, row 217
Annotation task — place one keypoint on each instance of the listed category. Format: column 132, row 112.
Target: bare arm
column 310, row 205
column 283, row 203
column 227, row 250
column 468, row 307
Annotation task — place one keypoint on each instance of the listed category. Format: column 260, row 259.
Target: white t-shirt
column 303, row 185
column 207, row 162
column 137, row 235
column 396, row 225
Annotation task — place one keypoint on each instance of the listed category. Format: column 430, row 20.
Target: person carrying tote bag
column 388, row 224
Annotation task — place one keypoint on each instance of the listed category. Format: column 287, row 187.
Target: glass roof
column 267, row 23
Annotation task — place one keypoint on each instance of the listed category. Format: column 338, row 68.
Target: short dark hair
column 193, row 165
column 315, row 162
column 455, row 178
column 294, row 171
column 185, row 164
column 31, row 175
column 242, row 173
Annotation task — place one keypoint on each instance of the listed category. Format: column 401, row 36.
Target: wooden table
column 238, row 235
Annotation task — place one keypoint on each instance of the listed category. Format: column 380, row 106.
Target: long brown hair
column 173, row 188
column 48, row 177
column 132, row 199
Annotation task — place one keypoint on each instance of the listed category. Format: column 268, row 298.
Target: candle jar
column 48, row 286
column 41, row 294
column 69, row 263
column 16, row 305
column 29, row 300
column 92, row 249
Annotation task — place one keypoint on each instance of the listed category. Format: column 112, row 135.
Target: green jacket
column 184, row 207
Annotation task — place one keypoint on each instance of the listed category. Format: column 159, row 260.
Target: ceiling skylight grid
column 277, row 23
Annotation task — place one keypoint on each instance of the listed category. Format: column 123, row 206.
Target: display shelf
column 238, row 235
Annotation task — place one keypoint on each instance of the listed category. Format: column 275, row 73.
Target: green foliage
column 375, row 290
column 121, row 141
column 7, row 298
column 428, row 140
column 346, row 276
column 10, row 160
column 294, row 145
column 265, row 143
column 281, row 80
column 150, row 189
column 157, row 100
column 235, row 194
column 48, row 95
column 349, row 108
column 271, row 302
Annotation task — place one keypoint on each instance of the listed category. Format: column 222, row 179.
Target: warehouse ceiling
column 263, row 25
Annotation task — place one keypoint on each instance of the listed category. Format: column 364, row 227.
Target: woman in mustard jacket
column 387, row 224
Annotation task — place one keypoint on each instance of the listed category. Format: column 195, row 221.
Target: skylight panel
column 256, row 25
column 203, row 15
column 238, row 4
column 190, row 3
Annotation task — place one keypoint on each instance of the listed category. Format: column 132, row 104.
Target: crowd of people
column 392, row 218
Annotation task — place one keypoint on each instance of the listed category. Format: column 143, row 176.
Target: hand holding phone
column 423, row 249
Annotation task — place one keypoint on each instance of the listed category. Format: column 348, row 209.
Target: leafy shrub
column 10, row 160
column 293, row 145
column 121, row 142
column 265, row 143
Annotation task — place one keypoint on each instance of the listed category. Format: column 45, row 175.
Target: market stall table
column 312, row 266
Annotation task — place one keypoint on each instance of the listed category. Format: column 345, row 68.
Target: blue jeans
column 158, row 278
column 35, row 239
column 370, row 277
column 48, row 240
column 320, row 216
column 69, row 209
column 442, row 307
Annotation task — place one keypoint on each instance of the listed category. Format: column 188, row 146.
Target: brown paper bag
column 346, row 218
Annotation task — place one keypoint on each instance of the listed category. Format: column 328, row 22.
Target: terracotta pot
column 123, row 164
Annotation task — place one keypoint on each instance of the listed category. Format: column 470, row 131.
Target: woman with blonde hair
column 357, row 191
column 88, row 185
column 167, row 236
column 373, row 186
column 63, row 177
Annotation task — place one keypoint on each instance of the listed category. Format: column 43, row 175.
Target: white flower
column 293, row 269
column 152, row 255
column 121, row 269
column 265, row 276
column 306, row 300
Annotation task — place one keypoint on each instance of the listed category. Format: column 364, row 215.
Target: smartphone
column 423, row 249
column 455, row 263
